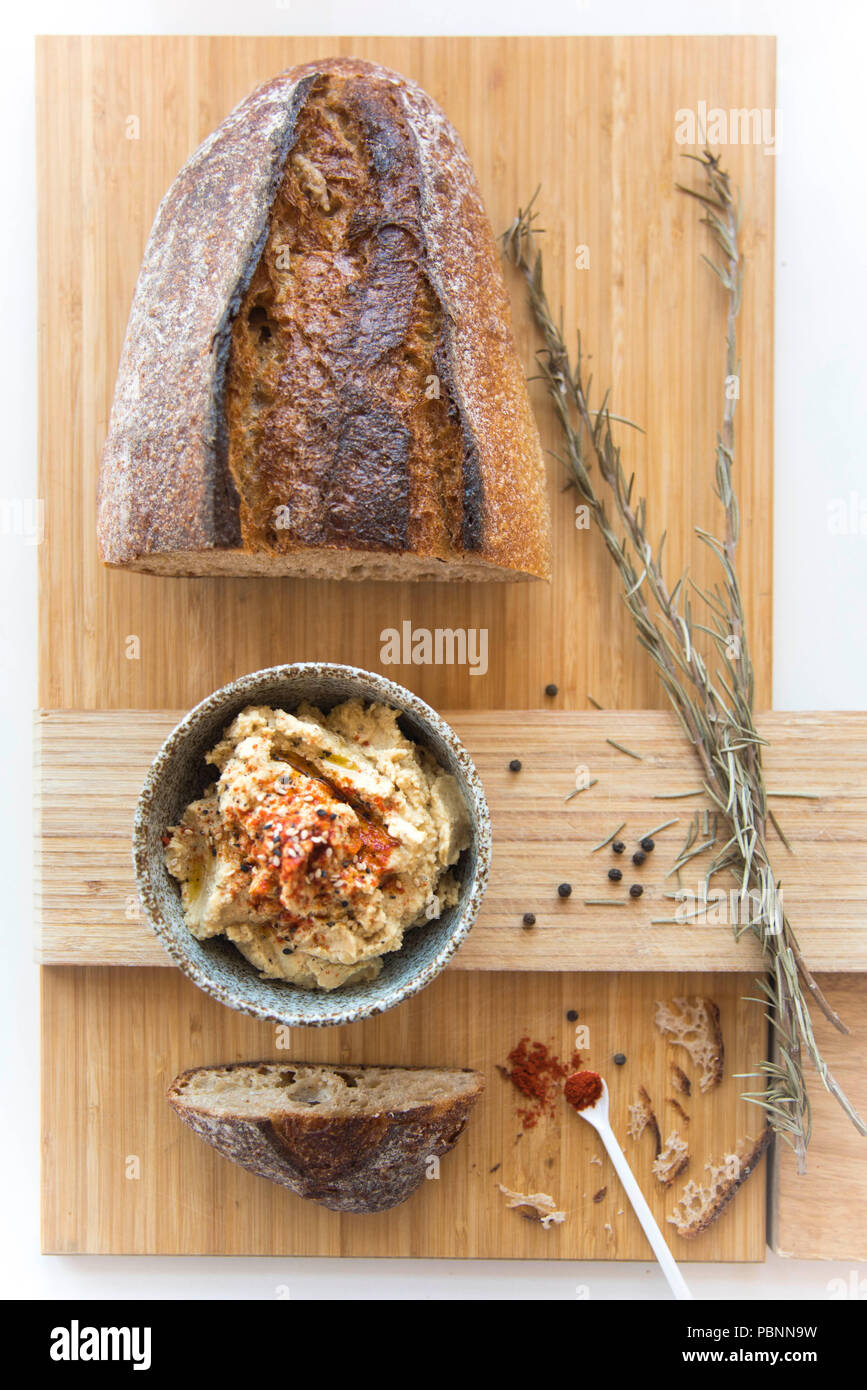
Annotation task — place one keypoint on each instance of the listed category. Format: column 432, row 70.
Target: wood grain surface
column 115, row 1038
column 822, row 1215
column 592, row 121
column 92, row 765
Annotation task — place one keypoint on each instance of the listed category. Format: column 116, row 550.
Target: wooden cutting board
column 822, row 1215
column 92, row 766
column 592, row 121
column 122, row 1175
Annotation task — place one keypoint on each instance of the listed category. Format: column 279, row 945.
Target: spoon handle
column 667, row 1262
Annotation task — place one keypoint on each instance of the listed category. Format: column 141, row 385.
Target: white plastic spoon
column 597, row 1116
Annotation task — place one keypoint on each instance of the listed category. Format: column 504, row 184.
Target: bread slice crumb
column 539, row 1206
column 694, row 1024
column 680, row 1081
column 641, row 1117
column 701, row 1204
column 676, row 1105
column 672, row 1161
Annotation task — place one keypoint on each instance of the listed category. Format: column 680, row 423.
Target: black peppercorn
column 565, row 890
column 618, row 847
column 515, row 765
column 615, row 875
column 529, row 919
column 551, row 689
column 647, row 844
column 636, row 890
column 619, row 1059
column 639, row 856
column 572, row 1015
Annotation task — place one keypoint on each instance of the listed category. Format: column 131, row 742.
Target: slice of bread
column 695, row 1024
column 353, row 1138
column 701, row 1204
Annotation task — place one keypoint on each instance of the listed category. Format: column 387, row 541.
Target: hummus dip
column 325, row 838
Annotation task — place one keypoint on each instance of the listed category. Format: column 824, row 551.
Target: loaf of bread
column 318, row 376
column 353, row 1138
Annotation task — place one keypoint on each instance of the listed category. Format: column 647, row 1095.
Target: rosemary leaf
column 603, row 843
column 656, row 829
column 628, row 751
column 676, row 796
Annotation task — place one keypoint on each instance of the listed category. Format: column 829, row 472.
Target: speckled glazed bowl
column 179, row 774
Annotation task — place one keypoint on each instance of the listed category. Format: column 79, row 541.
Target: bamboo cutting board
column 593, row 121
column 123, row 1175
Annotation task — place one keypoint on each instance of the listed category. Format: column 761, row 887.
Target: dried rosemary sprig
column 714, row 707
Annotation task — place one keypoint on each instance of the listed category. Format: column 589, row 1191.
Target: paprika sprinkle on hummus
column 583, row 1088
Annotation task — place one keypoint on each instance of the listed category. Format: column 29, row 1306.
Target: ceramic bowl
column 179, row 774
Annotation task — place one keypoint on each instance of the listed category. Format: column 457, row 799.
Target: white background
column 820, row 579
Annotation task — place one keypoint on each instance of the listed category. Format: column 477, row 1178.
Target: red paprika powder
column 582, row 1089
column 538, row 1074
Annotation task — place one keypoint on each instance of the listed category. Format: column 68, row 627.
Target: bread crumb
column 540, row 1207
column 700, row 1205
column 672, row 1161
column 694, row 1024
column 676, row 1105
column 680, row 1080
column 641, row 1117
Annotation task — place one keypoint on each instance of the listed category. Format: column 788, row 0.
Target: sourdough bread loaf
column 352, row 1138
column 318, row 376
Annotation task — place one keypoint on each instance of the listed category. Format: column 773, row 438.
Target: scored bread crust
column 167, row 498
column 356, row 1162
